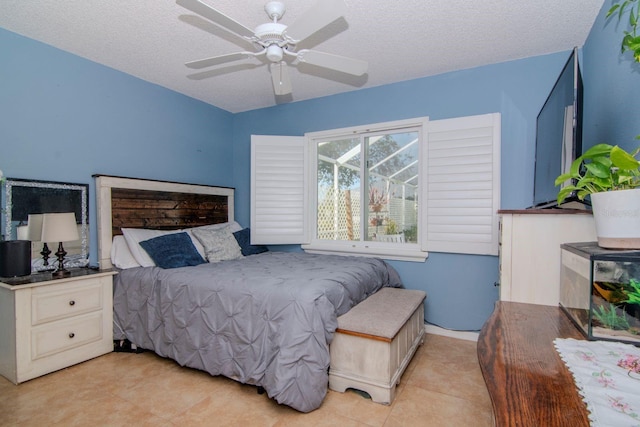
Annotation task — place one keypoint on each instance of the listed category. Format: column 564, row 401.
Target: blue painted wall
column 611, row 86
column 63, row 118
column 460, row 288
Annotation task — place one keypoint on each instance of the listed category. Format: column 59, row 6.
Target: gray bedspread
column 265, row 319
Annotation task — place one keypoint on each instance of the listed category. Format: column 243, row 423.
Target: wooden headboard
column 140, row 203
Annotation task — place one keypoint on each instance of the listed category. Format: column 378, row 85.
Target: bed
column 264, row 318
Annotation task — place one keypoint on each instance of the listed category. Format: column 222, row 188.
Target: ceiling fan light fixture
column 274, row 53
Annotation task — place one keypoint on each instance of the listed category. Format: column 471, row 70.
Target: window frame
column 387, row 250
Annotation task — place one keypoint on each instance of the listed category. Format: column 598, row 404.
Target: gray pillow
column 219, row 244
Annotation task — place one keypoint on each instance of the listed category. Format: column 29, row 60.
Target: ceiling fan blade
column 219, row 18
column 217, row 60
column 280, row 78
column 343, row 64
column 319, row 16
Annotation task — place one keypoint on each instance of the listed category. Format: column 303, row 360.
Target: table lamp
column 34, row 233
column 59, row 227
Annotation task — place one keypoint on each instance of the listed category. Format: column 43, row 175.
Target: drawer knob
column 72, row 302
column 71, row 335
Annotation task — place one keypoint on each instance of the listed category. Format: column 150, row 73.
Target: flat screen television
column 558, row 133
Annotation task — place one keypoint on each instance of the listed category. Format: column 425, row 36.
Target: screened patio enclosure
column 367, row 187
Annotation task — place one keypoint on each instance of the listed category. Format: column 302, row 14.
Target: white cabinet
column 530, row 252
column 47, row 325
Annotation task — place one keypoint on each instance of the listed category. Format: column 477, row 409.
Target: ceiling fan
column 277, row 42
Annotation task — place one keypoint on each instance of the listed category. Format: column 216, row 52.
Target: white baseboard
column 462, row 335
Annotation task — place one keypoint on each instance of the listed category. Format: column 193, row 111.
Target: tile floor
column 442, row 386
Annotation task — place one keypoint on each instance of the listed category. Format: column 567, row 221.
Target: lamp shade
column 22, row 232
column 59, row 227
column 34, row 227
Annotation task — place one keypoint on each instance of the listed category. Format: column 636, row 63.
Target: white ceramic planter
column 617, row 218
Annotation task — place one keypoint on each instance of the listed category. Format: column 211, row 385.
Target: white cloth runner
column 607, row 375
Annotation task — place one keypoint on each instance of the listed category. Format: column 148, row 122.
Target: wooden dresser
column 528, row 383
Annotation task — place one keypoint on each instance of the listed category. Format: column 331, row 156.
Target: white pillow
column 219, row 243
column 121, row 256
column 134, row 236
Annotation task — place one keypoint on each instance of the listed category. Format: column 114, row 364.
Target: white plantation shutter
column 279, row 170
column 463, row 185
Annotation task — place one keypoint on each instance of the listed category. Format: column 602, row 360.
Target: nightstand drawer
column 56, row 337
column 60, row 302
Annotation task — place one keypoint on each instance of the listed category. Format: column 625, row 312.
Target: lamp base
column 45, row 254
column 61, row 271
column 59, row 274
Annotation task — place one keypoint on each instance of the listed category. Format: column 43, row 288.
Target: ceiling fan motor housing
column 270, row 33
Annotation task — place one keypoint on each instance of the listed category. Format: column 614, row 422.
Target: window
column 394, row 190
column 367, row 185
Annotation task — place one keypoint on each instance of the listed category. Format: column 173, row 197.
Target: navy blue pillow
column 244, row 240
column 172, row 251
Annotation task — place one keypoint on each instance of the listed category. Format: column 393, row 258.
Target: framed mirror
column 24, row 197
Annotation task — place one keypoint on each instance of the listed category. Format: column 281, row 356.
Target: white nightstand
column 48, row 324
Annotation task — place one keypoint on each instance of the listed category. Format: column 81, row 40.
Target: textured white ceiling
column 401, row 40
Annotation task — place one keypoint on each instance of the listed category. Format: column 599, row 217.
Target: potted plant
column 610, row 176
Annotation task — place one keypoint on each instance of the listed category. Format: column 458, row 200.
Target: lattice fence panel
column 337, row 222
column 338, row 214
column 404, row 213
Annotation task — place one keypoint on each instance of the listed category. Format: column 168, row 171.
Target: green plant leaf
column 564, row 193
column 583, row 194
column 575, row 167
column 603, row 184
column 612, row 10
column 623, row 160
column 597, row 150
column 622, row 7
column 598, row 169
column 562, row 178
column 633, row 42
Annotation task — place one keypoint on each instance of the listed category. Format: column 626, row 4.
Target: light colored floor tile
column 453, row 370
column 169, row 394
column 237, row 406
column 355, row 406
column 420, row 407
column 318, row 419
column 442, row 386
column 109, row 370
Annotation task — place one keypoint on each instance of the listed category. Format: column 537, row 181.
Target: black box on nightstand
column 15, row 258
